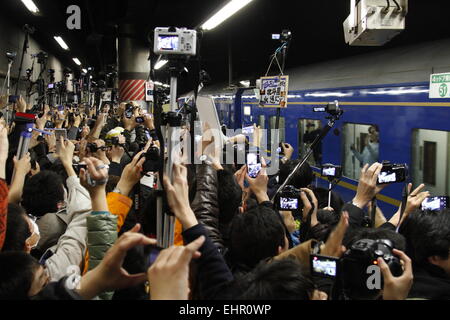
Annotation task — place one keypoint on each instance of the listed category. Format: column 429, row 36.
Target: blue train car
column 401, row 112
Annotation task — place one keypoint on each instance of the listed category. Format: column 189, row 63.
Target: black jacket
column 430, row 282
column 213, row 276
column 206, row 205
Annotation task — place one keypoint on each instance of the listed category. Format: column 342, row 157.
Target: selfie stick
column 8, row 87
column 332, row 120
column 28, row 30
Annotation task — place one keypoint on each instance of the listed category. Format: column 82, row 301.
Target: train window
column 307, row 131
column 272, row 122
column 262, row 121
column 360, row 147
column 430, row 160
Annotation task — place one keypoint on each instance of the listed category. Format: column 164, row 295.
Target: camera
column 78, row 166
column 331, row 171
column 152, row 160
column 172, row 40
column 284, row 36
column 289, row 199
column 13, row 99
column 392, row 173
column 129, row 109
column 331, row 108
column 11, row 55
column 140, row 120
column 114, row 141
column 93, row 148
column 436, row 203
column 356, row 261
column 323, row 266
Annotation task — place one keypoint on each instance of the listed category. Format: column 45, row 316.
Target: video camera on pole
column 177, row 45
column 175, row 41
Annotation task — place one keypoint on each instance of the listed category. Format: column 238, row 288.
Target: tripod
column 170, row 129
column 8, row 82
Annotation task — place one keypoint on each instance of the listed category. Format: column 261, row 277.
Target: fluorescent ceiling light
column 30, row 6
column 62, row 43
column 78, row 62
column 245, row 83
column 160, row 64
column 223, row 14
column 85, row 70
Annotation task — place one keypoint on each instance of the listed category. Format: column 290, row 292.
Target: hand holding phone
column 253, row 164
column 60, row 133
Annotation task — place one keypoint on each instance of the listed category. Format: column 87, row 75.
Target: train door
column 431, row 156
column 307, row 130
column 355, row 151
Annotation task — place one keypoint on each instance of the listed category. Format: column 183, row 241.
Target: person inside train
column 312, row 132
column 370, row 153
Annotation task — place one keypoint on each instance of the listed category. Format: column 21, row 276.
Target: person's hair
column 112, row 183
column 353, row 235
column 427, row 234
column 17, row 271
column 42, row 192
column 255, row 235
column 375, row 126
column 301, row 179
column 17, row 229
column 322, row 197
column 277, row 280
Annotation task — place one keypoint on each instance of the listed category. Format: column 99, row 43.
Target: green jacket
column 102, row 234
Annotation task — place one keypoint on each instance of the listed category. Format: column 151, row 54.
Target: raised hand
column 131, row 175
column 169, row 275
column 397, row 288
column 367, row 186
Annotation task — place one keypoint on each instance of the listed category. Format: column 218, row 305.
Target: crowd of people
column 72, row 228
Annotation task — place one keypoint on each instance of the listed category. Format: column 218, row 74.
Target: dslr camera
column 289, row 199
column 152, row 160
column 356, row 261
column 114, row 141
column 392, row 173
column 331, row 171
column 175, row 41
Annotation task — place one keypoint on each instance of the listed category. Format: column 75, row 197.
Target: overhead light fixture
column 160, row 64
column 31, row 6
column 78, row 62
column 61, row 42
column 245, row 83
column 223, row 14
column 85, row 71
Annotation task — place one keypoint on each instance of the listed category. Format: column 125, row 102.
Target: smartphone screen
column 323, row 266
column 392, row 175
column 253, row 165
column 435, row 203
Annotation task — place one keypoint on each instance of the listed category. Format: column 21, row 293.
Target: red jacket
column 3, row 211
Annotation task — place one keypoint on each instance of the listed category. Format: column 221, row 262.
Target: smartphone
column 436, row 203
column 13, row 99
column 51, row 86
column 253, row 165
column 60, row 133
column 323, row 266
